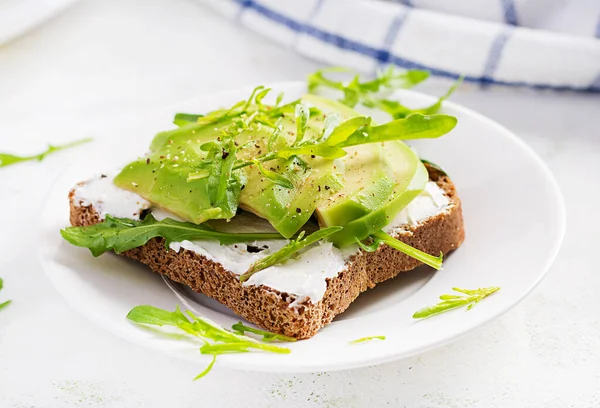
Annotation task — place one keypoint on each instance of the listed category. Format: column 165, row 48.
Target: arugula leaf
column 181, row 119
column 366, row 92
column 224, row 186
column 319, row 149
column 241, row 347
column 365, row 339
column 216, row 339
column 342, row 132
column 4, row 304
column 159, row 317
column 358, row 130
column 369, row 93
column 288, row 250
column 449, row 302
column 207, row 369
column 413, row 127
column 301, row 114
column 9, row 159
column 121, row 234
column 273, row 176
column 241, row 328
column 390, row 78
column 317, row 79
column 397, row 110
column 436, row 106
column 332, row 122
column 382, row 238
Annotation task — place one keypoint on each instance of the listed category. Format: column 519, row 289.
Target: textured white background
column 104, row 65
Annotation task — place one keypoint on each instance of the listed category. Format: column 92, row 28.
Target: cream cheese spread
column 303, row 276
column 106, row 198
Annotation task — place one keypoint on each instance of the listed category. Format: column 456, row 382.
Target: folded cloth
column 547, row 44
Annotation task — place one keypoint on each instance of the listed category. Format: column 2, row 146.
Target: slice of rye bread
column 269, row 308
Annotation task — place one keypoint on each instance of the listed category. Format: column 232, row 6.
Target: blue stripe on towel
column 510, row 13
column 381, row 55
column 495, row 55
column 393, row 31
column 598, row 28
column 311, row 16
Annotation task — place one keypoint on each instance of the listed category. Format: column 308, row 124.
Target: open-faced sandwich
column 283, row 212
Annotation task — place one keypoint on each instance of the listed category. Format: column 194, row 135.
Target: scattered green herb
column 302, row 114
column 356, row 91
column 241, row 328
column 371, row 93
column 216, row 339
column 181, row 119
column 4, row 304
column 121, row 234
column 359, row 131
column 224, row 186
column 382, row 238
column 288, row 250
column 365, row 339
column 449, row 302
column 276, row 178
column 9, row 159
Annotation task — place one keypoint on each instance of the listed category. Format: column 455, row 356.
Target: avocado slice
column 379, row 181
column 162, row 177
column 361, row 191
column 313, row 178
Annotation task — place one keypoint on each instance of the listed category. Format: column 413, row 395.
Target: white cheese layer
column 304, row 276
column 107, row 198
column 430, row 202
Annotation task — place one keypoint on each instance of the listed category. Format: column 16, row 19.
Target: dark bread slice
column 270, row 309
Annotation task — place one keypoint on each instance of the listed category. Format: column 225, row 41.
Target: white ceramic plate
column 514, row 218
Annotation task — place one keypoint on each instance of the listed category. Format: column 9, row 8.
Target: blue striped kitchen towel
column 546, row 44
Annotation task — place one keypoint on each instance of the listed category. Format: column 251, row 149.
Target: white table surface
column 104, row 65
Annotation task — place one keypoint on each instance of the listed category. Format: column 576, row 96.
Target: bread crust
column 269, row 308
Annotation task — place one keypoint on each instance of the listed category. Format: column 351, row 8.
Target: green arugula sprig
column 121, row 234
column 288, row 250
column 467, row 298
column 7, row 159
column 366, row 339
column 381, row 237
column 181, row 119
column 369, row 93
column 216, row 339
column 359, row 131
column 356, row 91
column 241, row 329
column 8, row 302
column 330, row 145
column 266, row 115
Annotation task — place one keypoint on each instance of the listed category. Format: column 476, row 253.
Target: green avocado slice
column 379, row 181
column 162, row 177
column 361, row 191
column 313, row 179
